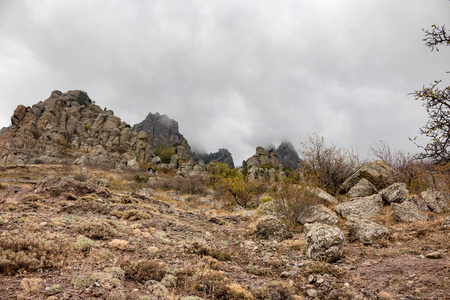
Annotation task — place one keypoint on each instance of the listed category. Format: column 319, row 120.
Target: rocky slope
column 71, row 128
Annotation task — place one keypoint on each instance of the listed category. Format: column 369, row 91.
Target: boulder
column 377, row 172
column 365, row 231
column 396, row 192
column 362, row 189
column 318, row 213
column 361, row 208
column 324, row 242
column 272, row 229
column 408, row 211
column 322, row 195
column 435, row 201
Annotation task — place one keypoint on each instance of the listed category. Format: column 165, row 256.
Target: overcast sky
column 234, row 74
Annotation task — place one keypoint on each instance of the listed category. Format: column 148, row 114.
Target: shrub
column 97, row 230
column 291, row 200
column 165, row 153
column 29, row 252
column 82, row 99
column 132, row 215
column 83, row 244
column 202, row 250
column 327, row 165
column 242, row 191
column 143, row 270
column 193, row 185
column 141, row 178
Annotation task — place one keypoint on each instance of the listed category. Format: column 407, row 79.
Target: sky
column 234, row 74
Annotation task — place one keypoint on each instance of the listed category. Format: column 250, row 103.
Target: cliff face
column 223, row 156
column 287, row 155
column 162, row 131
column 71, row 128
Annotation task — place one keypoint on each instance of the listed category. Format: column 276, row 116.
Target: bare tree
column 437, row 103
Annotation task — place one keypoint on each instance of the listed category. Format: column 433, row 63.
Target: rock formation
column 263, row 165
column 162, row 131
column 287, row 155
column 223, row 156
column 71, row 128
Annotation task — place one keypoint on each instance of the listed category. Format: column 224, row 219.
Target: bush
column 165, row 153
column 143, row 270
column 141, row 178
column 291, row 200
column 29, row 252
column 97, row 230
column 241, row 190
column 193, row 185
column 328, row 165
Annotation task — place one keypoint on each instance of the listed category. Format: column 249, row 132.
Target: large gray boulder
column 324, row 242
column 435, row 201
column 318, row 213
column 396, row 192
column 361, row 208
column 362, row 189
column 365, row 231
column 377, row 172
column 322, row 195
column 408, row 211
column 271, row 228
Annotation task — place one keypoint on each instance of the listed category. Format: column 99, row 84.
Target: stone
column 361, row 208
column 377, row 172
column 435, row 201
column 317, row 213
column 311, row 293
column 362, row 189
column 271, row 228
column 434, row 255
column 324, row 242
column 408, row 211
column 322, row 195
column 264, row 165
column 396, row 192
column 366, row 231
column 446, row 222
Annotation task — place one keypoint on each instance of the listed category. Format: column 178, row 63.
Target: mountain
column 287, row 155
column 71, row 128
column 223, row 156
column 162, row 131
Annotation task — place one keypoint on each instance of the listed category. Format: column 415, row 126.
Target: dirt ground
column 208, row 252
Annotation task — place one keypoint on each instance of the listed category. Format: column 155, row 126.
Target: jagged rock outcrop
column 287, row 155
column 223, row 156
column 362, row 189
column 435, row 201
column 264, row 164
column 162, row 131
column 71, row 128
column 324, row 242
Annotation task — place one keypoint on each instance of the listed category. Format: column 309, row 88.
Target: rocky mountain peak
column 287, row 155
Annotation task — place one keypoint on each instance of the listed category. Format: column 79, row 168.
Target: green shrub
column 97, row 230
column 83, row 244
column 143, row 270
column 165, row 153
column 82, row 99
column 141, row 178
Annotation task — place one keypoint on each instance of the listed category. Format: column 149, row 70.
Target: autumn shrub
column 193, row 185
column 141, row 178
column 98, row 230
column 240, row 190
column 291, row 200
column 209, row 284
column 327, row 165
column 143, row 270
column 202, row 250
column 132, row 215
column 29, row 252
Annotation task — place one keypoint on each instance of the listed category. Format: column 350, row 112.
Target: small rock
column 334, row 294
column 434, row 255
column 319, row 279
column 312, row 293
column 311, row 278
column 422, row 256
column 347, row 285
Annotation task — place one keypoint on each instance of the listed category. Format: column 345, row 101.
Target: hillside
column 89, row 210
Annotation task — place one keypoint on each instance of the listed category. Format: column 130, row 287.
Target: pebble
column 347, row 285
column 334, row 294
column 312, row 293
column 319, row 279
column 434, row 254
column 310, row 279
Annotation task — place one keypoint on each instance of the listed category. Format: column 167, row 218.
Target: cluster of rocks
column 264, row 164
column 325, row 241
column 65, row 129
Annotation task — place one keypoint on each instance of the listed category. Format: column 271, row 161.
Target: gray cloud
column 234, row 74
